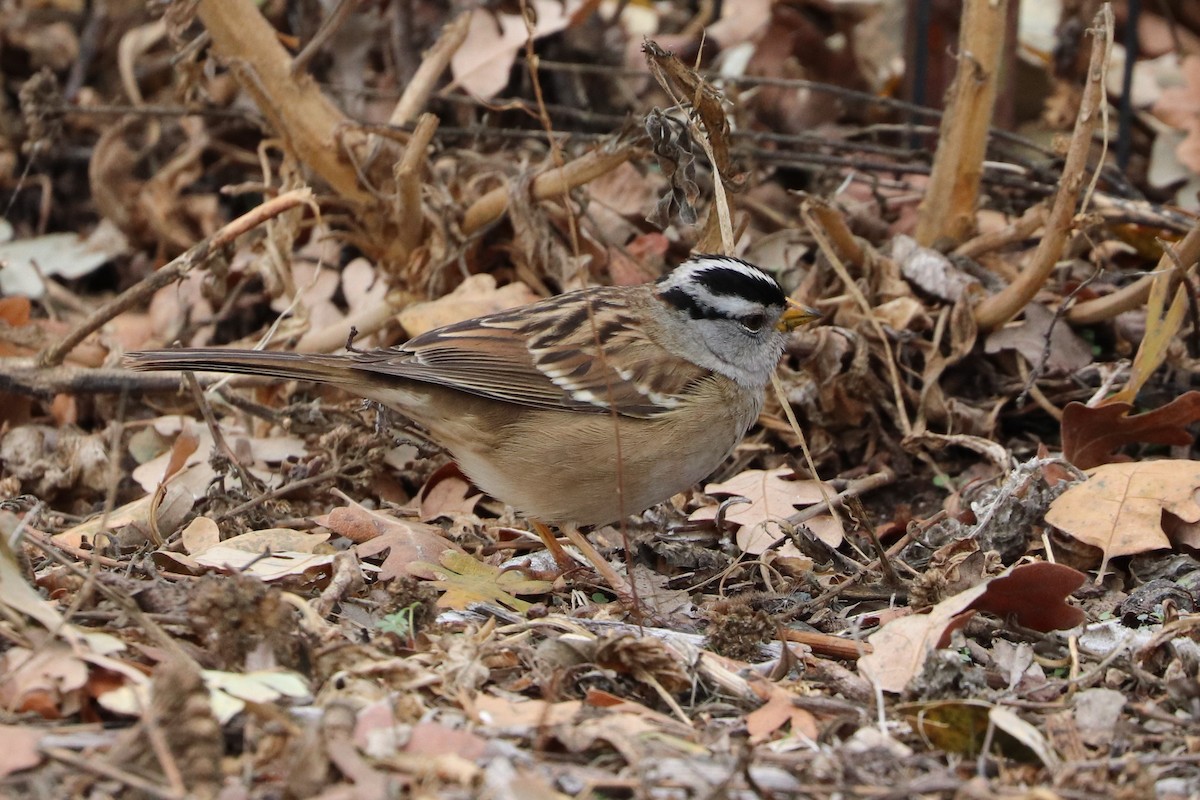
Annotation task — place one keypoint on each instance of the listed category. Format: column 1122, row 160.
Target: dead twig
column 96, row 767
column 1135, row 294
column 433, row 64
column 198, row 255
column 409, row 220
column 827, row 226
column 551, row 183
column 1006, row 304
column 989, row 242
column 304, row 118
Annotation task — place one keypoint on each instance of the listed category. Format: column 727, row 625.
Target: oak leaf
column 1091, row 436
column 465, row 580
column 1033, row 594
column 773, row 499
column 1119, row 508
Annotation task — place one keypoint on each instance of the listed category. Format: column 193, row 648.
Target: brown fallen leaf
column 901, row 646
column 671, row 72
column 1119, row 508
column 270, row 554
column 434, row 739
column 48, row 681
column 405, row 542
column 776, row 712
column 482, row 64
column 474, row 297
column 1034, row 594
column 447, row 493
column 1067, row 351
column 773, row 499
column 1091, row 436
column 407, row 546
column 19, row 748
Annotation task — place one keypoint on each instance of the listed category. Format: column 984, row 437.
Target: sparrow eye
column 753, row 322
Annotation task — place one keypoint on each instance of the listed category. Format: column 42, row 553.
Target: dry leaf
column 1035, row 594
column 407, row 546
column 173, row 507
column 1091, row 436
column 228, row 692
column 772, row 500
column 931, row 271
column 962, row 726
column 69, row 255
column 901, row 647
column 19, row 748
column 1119, row 508
column 375, row 533
column 276, row 540
column 433, row 739
column 1067, row 353
column 776, row 712
column 483, row 62
column 16, row 595
column 465, row 580
column 46, row 681
column 518, row 715
column 447, row 494
column 362, row 286
column 273, row 567
column 1179, row 106
column 1161, row 326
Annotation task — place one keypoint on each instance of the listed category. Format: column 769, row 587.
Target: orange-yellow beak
column 796, row 315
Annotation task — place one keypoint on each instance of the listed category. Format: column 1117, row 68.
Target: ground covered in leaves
column 975, row 577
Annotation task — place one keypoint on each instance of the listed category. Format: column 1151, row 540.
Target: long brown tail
column 291, row 366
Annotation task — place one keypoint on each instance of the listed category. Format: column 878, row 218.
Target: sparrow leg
column 599, row 562
column 564, row 561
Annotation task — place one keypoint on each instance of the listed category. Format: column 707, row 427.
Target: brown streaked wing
column 544, row 356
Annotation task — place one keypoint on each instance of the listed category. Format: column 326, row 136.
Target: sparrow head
column 739, row 314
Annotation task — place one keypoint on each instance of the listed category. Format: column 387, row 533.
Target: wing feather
column 546, row 356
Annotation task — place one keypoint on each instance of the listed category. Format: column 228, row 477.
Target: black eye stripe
column 685, row 302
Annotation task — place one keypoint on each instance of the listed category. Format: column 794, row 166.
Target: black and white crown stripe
column 721, row 287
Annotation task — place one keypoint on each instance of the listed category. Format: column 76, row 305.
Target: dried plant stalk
column 1006, row 304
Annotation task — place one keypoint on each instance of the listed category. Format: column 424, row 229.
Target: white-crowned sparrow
column 578, row 409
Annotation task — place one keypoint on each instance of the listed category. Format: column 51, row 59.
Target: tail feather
column 289, row 366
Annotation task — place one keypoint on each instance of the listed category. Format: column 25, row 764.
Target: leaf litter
column 266, row 587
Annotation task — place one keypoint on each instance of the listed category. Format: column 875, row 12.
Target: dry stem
column 551, row 183
column 1006, row 304
column 948, row 211
column 828, row 228
column 1135, row 294
column 313, row 130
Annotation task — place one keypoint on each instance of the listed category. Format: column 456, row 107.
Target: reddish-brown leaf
column 1091, row 436
column 15, row 310
column 1035, row 595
